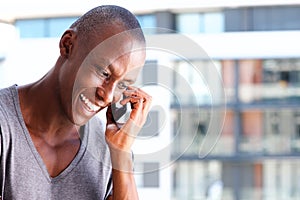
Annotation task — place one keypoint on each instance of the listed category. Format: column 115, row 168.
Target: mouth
column 91, row 106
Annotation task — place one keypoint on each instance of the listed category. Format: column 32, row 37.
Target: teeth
column 89, row 104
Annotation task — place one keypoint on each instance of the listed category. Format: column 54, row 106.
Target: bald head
column 96, row 22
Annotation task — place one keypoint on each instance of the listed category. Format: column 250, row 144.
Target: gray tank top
column 23, row 175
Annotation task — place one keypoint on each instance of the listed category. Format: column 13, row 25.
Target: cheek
column 86, row 79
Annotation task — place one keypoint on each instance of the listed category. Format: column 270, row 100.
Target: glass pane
column 225, row 144
column 31, row 28
column 281, row 179
column 281, row 78
column 152, row 126
column 147, row 174
column 57, row 26
column 195, row 132
column 213, row 22
column 51, row 27
column 147, row 21
column 250, row 80
column 270, row 81
column 194, row 82
column 151, row 175
column 263, row 180
column 150, row 73
column 198, row 180
column 228, row 76
column 270, row 131
column 252, row 131
column 189, row 23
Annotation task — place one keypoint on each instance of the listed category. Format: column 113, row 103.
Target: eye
column 122, row 85
column 102, row 72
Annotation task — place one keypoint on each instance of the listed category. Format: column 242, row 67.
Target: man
column 52, row 144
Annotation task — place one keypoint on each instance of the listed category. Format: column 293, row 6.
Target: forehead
column 128, row 65
column 121, row 49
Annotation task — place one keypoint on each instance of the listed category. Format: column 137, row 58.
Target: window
column 57, row 26
column 147, row 174
column 285, row 71
column 150, row 73
column 272, row 80
column 262, row 18
column 198, row 180
column 196, row 133
column 48, row 27
column 189, row 77
column 31, row 28
column 151, row 127
column 282, row 78
column 148, row 23
column 270, row 131
column 193, row 23
column 295, row 140
column 189, row 23
column 213, row 22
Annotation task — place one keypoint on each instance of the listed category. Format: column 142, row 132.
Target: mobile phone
column 120, row 112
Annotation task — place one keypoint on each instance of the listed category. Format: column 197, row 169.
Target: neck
column 42, row 111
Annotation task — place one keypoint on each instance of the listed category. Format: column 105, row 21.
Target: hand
column 121, row 139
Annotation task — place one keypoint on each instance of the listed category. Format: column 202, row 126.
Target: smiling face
column 104, row 75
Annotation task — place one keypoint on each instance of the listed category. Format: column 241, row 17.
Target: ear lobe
column 66, row 43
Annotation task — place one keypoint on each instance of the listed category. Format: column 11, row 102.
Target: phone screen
column 121, row 112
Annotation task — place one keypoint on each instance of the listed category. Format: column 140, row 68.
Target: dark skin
column 53, row 109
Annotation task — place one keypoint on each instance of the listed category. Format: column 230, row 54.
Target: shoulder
column 8, row 95
column 6, row 92
column 8, row 116
column 5, row 95
column 7, row 98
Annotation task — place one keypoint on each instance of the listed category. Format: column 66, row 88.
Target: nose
column 106, row 92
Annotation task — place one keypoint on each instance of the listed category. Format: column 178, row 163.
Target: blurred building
column 251, row 46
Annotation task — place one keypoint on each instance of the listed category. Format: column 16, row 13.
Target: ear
column 66, row 43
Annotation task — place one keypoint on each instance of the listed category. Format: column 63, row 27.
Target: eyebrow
column 130, row 81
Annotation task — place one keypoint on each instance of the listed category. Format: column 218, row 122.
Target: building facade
column 230, row 119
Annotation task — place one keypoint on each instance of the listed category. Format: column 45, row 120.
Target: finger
column 129, row 92
column 137, row 105
column 147, row 103
column 140, row 103
column 134, row 92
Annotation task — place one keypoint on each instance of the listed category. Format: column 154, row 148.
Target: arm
column 120, row 141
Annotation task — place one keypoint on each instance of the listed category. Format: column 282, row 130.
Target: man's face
column 104, row 75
